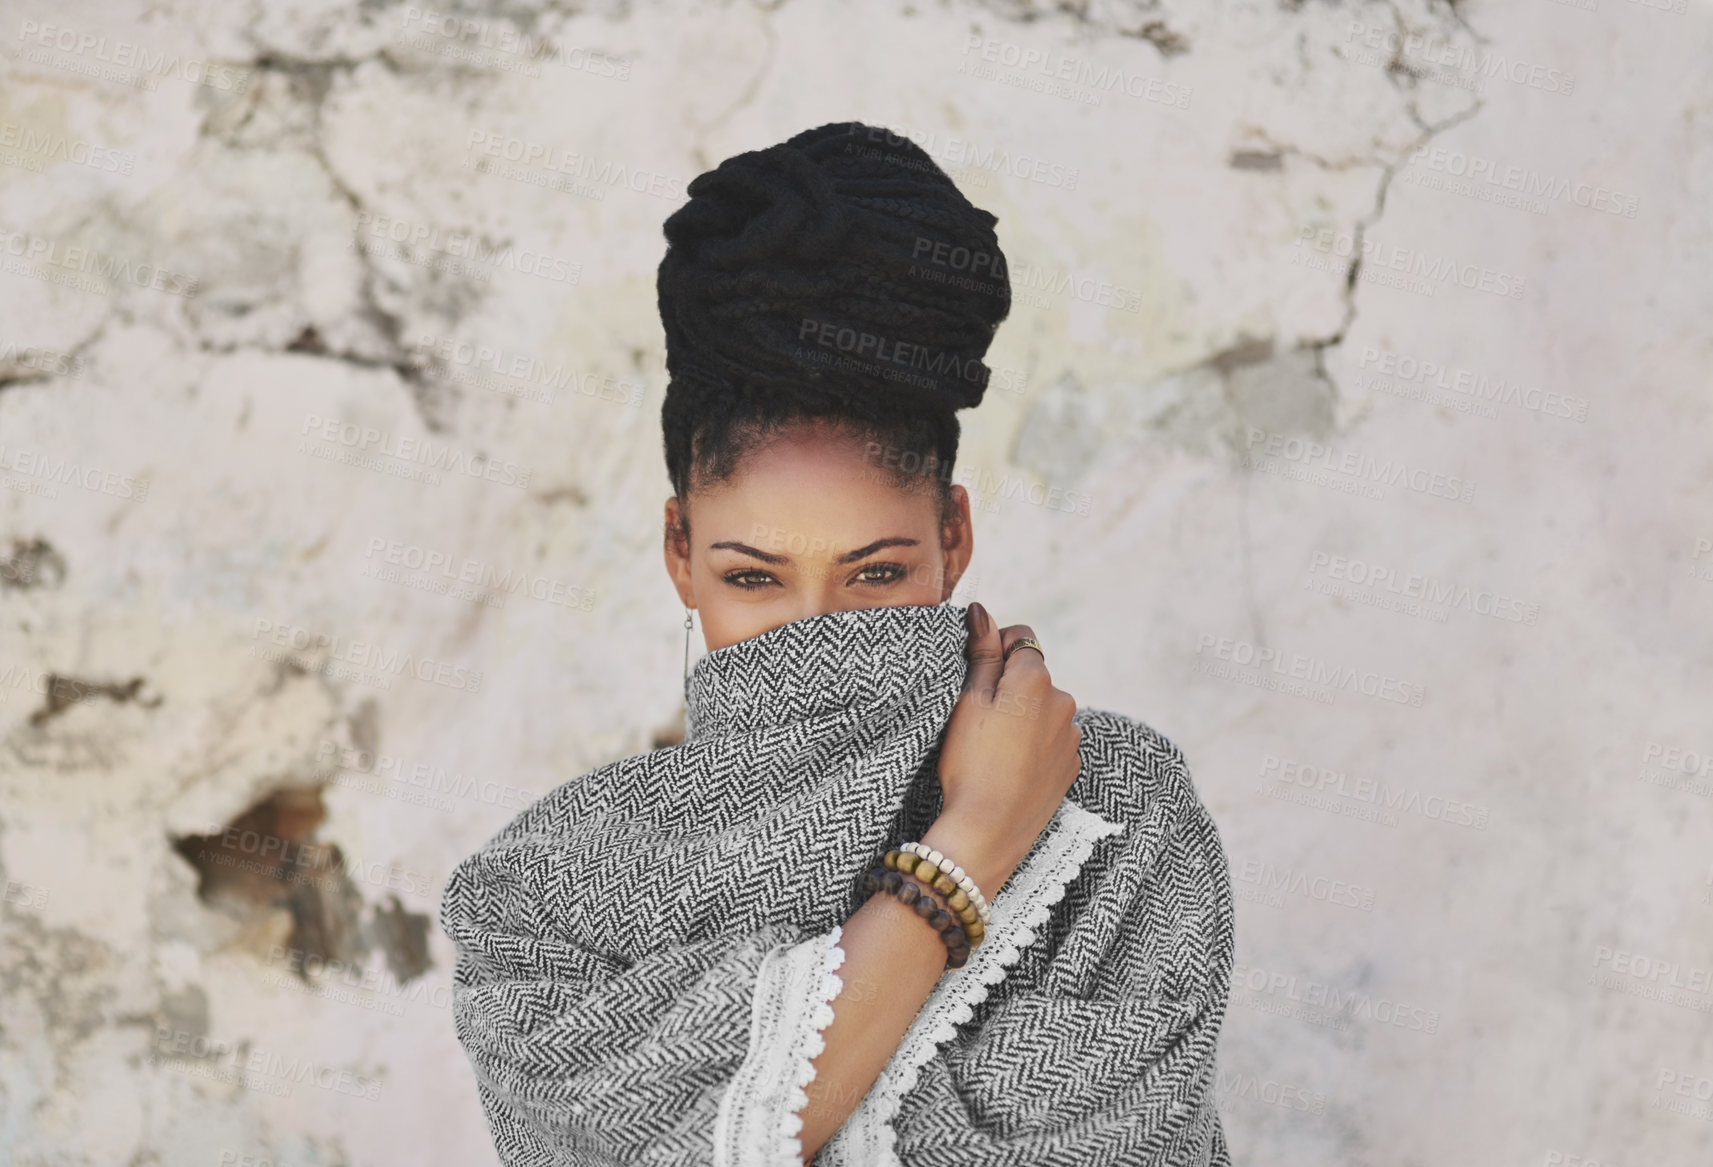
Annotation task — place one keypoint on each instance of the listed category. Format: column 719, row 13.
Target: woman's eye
column 889, row 573
column 873, row 574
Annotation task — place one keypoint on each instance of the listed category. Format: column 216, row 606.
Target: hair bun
column 804, row 272
column 771, row 204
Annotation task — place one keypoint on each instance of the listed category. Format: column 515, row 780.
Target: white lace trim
column 1025, row 902
column 757, row 1124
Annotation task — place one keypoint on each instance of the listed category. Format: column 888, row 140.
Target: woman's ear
column 957, row 540
column 677, row 552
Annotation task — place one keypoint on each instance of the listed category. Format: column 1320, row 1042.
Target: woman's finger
column 984, row 649
column 1024, row 662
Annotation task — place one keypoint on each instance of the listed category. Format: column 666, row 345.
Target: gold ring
column 1024, row 642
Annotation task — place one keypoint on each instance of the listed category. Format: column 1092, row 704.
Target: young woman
column 896, row 899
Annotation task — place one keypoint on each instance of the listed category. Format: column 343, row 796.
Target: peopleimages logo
column 953, row 152
column 1426, row 48
column 1677, row 758
column 1326, row 782
column 30, row 361
column 470, row 579
column 525, row 375
column 461, row 245
column 1274, row 878
column 1502, row 391
column 1345, row 245
column 605, row 172
column 248, row 1058
column 113, row 269
column 57, row 147
column 1284, row 1095
column 365, row 654
column 24, row 895
column 1473, row 168
column 1427, row 588
column 333, row 758
column 464, row 32
column 313, row 864
column 861, row 343
column 1354, row 464
column 1665, row 981
column 370, row 440
column 1288, row 987
column 29, row 464
column 149, row 62
column 1311, row 670
column 1070, row 71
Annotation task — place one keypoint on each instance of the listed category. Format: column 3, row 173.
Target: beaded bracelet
column 930, row 877
column 926, row 905
column 958, row 876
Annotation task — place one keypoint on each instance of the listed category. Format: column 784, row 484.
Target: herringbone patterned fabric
column 609, row 937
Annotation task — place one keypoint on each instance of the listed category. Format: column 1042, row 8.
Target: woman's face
column 811, row 524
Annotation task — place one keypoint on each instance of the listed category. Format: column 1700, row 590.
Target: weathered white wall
column 1518, row 975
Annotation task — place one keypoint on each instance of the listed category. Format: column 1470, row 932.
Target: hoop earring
column 687, row 626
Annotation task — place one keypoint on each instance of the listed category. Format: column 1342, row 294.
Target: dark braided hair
column 839, row 275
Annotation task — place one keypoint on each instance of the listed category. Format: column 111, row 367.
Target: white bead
column 957, row 873
column 934, row 857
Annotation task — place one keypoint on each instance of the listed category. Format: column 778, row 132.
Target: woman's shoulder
column 1131, row 772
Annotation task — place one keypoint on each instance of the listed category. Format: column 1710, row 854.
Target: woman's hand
column 1009, row 756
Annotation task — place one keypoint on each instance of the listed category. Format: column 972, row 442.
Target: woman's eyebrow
column 730, row 545
column 864, row 552
column 847, row 557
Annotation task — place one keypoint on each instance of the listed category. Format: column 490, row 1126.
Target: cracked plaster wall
column 239, row 757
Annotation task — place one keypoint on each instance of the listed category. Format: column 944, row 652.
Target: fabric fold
column 758, row 1120
column 867, row 1138
column 647, row 955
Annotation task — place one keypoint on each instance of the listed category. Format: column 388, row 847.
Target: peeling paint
column 31, row 563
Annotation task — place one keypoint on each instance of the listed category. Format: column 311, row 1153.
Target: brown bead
column 958, row 900
column 870, row 882
column 955, row 958
column 905, row 862
column 944, row 885
column 944, row 921
column 925, row 906
column 909, row 891
column 891, row 881
column 891, row 860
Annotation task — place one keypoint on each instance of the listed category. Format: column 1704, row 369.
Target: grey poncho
column 647, row 955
